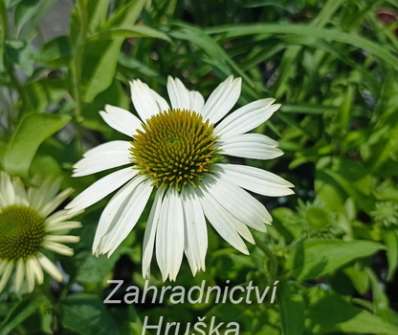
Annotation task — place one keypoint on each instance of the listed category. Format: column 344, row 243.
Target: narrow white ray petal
column 161, row 241
column 246, row 118
column 58, row 248
column 217, row 94
column 170, row 236
column 19, row 274
column 91, row 165
column 37, row 270
column 196, row 241
column 5, row 275
column 105, row 156
column 111, row 214
column 228, row 216
column 52, row 205
column 217, row 218
column 121, row 120
column 61, row 216
column 222, row 99
column 63, row 238
column 30, row 277
column 101, row 188
column 46, row 191
column 104, row 149
column 256, row 180
column 21, row 196
column 196, row 102
column 7, row 189
column 129, row 216
column 178, row 94
column 150, row 233
column 255, row 146
column 50, row 268
column 241, row 204
column 62, row 226
column 145, row 102
column 160, row 101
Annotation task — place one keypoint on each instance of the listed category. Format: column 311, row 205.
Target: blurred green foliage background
column 332, row 64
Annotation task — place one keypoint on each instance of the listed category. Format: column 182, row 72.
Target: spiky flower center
column 175, row 148
column 22, row 232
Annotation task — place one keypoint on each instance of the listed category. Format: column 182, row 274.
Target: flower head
column 29, row 228
column 177, row 152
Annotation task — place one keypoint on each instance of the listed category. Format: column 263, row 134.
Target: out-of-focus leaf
column 3, row 30
column 391, row 240
column 333, row 313
column 20, row 312
column 95, row 64
column 86, row 315
column 27, row 13
column 313, row 32
column 55, row 52
column 217, row 55
column 321, row 257
column 130, row 32
column 32, row 130
column 292, row 309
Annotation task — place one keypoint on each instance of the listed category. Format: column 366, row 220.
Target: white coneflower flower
column 29, row 228
column 177, row 152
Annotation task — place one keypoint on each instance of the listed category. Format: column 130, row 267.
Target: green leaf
column 322, row 257
column 391, row 240
column 95, row 64
column 3, row 32
column 292, row 310
column 19, row 313
column 86, row 314
column 332, row 35
column 135, row 31
column 32, row 130
column 333, row 313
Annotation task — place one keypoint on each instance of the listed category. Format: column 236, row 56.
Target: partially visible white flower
column 177, row 151
column 29, row 229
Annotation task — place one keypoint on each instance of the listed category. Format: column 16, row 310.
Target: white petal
column 150, row 233
column 196, row 241
column 138, row 198
column 146, row 102
column 46, row 191
column 255, row 146
column 5, row 275
column 58, row 248
column 196, row 102
column 36, row 270
column 30, row 276
column 178, row 93
column 101, row 188
column 19, row 274
column 241, row 204
column 222, row 99
column 160, row 101
column 21, row 196
column 220, row 221
column 7, row 189
column 111, row 214
column 246, row 118
column 61, row 217
column 51, row 269
column 63, row 238
column 105, row 156
column 62, row 226
column 256, row 180
column 121, row 120
column 56, row 202
column 170, row 236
